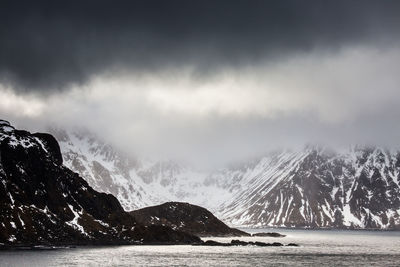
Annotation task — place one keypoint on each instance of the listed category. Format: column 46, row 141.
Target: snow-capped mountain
column 314, row 187
column 319, row 188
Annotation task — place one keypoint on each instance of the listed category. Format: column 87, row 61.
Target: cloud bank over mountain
column 209, row 80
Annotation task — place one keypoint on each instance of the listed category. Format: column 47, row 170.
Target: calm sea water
column 329, row 248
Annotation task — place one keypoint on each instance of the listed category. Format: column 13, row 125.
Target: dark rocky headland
column 44, row 203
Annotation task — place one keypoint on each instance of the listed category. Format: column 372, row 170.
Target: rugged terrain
column 42, row 202
column 185, row 217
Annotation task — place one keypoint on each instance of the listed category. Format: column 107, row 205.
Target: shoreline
column 316, row 229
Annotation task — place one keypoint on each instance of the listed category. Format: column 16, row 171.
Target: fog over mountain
column 206, row 82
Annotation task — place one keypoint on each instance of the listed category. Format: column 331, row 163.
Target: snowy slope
column 135, row 183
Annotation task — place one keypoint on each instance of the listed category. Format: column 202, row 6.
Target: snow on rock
column 74, row 221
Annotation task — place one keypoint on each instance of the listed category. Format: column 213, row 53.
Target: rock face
column 187, row 218
column 44, row 203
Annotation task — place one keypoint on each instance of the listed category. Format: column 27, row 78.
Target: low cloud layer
column 338, row 99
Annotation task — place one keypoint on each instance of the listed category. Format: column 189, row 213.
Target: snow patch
column 74, row 222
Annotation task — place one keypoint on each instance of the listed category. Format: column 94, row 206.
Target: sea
column 316, row 248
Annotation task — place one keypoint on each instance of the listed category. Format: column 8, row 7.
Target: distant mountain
column 185, row 217
column 313, row 187
column 317, row 188
column 42, row 202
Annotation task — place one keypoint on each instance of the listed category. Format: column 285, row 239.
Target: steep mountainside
column 185, row 217
column 43, row 202
column 319, row 188
column 313, row 187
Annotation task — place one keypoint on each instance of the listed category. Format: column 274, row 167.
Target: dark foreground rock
column 44, row 203
column 244, row 243
column 187, row 218
column 273, row 234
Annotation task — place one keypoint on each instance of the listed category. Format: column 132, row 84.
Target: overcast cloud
column 212, row 81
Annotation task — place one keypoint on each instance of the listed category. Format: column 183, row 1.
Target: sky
column 205, row 81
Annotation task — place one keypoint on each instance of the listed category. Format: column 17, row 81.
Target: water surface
column 317, row 247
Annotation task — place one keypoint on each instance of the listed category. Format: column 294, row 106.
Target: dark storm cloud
column 48, row 45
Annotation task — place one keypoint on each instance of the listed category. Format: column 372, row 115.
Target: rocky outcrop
column 187, row 218
column 44, row 203
column 273, row 234
column 244, row 243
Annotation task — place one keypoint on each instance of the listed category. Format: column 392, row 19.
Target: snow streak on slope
column 260, row 180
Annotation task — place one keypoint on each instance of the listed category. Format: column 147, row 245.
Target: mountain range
column 314, row 187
